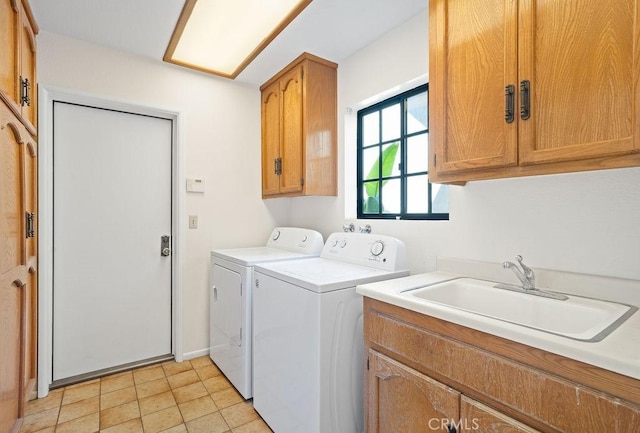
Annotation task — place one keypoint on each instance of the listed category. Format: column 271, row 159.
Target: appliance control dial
column 343, row 243
column 377, row 248
column 305, row 238
column 276, row 235
column 334, row 243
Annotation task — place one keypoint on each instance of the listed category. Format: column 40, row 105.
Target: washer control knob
column 343, row 243
column 334, row 243
column 305, row 238
column 276, row 235
column 377, row 248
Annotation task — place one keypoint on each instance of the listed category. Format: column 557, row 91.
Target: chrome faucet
column 526, row 275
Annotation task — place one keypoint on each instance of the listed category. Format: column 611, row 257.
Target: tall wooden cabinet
column 299, row 129
column 18, row 212
column 522, row 87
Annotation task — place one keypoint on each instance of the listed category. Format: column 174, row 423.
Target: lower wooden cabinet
column 425, row 374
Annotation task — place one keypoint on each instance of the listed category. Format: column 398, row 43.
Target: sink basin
column 579, row 318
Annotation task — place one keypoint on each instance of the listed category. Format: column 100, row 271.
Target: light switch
column 195, row 185
column 193, row 221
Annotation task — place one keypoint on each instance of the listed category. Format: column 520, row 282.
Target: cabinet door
column 473, row 58
column 28, row 68
column 10, row 53
column 403, row 400
column 582, row 60
column 270, row 139
column 482, row 419
column 291, row 140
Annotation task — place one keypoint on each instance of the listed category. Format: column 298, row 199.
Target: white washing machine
column 231, row 282
column 307, row 333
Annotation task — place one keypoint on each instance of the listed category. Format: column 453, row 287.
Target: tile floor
column 190, row 396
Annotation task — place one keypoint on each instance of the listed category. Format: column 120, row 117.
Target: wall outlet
column 193, row 221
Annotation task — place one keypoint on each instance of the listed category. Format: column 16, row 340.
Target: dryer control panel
column 365, row 249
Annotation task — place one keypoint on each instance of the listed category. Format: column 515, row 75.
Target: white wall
column 581, row 222
column 221, row 142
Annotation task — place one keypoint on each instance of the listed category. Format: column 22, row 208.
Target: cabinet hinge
column 302, row 74
column 435, row 160
column 301, row 181
column 29, row 225
column 367, row 363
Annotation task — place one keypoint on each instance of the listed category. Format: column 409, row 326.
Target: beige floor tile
column 115, row 382
column 79, row 409
column 81, row 392
column 86, row 424
column 131, row 426
column 196, row 408
column 156, row 402
column 200, row 362
column 239, row 414
column 162, row 420
column 226, row 398
column 217, row 383
column 213, row 423
column 182, row 379
column 117, row 398
column 172, row 367
column 51, row 429
column 40, row 420
column 180, row 428
column 190, row 392
column 152, row 388
column 119, row 414
column 257, row 426
column 148, row 374
column 208, row 372
column 53, row 400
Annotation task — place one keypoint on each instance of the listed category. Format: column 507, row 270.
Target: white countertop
column 618, row 352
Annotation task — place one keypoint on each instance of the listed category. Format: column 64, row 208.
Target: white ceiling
column 332, row 29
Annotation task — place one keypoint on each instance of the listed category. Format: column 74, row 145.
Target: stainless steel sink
column 577, row 317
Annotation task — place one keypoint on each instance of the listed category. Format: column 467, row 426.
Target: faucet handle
column 527, row 270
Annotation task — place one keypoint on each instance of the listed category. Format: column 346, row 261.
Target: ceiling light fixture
column 223, row 36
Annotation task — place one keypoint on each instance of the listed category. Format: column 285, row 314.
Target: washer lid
column 323, row 275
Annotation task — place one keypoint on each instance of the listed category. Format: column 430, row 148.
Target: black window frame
column 403, row 176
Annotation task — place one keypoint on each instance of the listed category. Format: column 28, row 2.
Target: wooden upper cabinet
column 581, row 58
column 299, row 129
column 569, row 71
column 472, row 63
column 18, row 60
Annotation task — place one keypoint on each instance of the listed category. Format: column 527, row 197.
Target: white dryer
column 231, row 277
column 308, row 351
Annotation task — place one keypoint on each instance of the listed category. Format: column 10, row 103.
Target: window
column 393, row 169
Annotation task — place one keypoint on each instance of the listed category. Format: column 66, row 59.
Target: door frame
column 46, row 97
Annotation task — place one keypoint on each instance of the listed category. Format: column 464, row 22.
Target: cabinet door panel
column 9, row 37
column 11, row 194
column 581, row 57
column 402, row 400
column 28, row 68
column 482, row 419
column 472, row 59
column 270, row 139
column 292, row 134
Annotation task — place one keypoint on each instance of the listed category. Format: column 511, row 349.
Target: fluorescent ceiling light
column 223, row 36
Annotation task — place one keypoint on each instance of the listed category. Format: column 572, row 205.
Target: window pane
column 391, row 159
column 418, row 194
column 391, row 196
column 418, row 153
column 371, row 129
column 391, row 123
column 417, row 113
column 370, row 158
column 440, row 194
column 370, row 197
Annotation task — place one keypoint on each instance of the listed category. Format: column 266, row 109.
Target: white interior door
column 111, row 205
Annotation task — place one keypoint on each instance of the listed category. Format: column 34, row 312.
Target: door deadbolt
column 165, row 249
